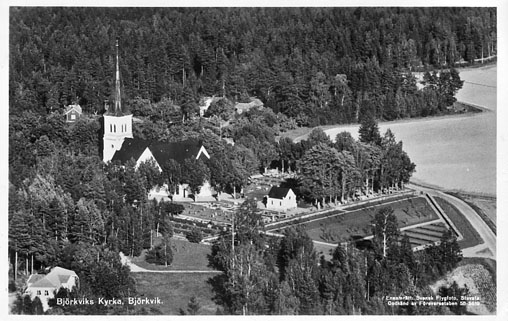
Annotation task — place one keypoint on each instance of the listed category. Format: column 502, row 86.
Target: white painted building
column 44, row 286
column 281, row 199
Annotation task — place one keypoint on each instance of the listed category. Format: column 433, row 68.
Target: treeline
column 285, row 276
column 344, row 169
column 315, row 65
column 63, row 198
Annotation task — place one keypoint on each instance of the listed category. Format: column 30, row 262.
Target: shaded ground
column 175, row 291
column 186, row 256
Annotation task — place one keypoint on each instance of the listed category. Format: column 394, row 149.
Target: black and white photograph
column 210, row 159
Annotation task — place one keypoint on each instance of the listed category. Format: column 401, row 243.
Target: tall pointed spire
column 118, row 94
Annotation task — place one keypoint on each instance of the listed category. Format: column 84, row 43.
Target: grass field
column 186, row 256
column 483, row 205
column 175, row 291
column 471, row 236
column 358, row 223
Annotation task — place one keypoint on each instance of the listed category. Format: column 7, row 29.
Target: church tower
column 117, row 121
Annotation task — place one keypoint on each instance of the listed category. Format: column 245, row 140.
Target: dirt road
column 488, row 248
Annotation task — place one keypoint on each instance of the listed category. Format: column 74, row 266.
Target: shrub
column 12, row 286
column 195, row 235
column 161, row 254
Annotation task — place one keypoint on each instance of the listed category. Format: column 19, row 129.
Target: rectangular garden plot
column 358, row 223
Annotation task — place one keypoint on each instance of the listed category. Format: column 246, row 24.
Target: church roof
column 278, row 192
column 178, row 151
column 161, row 151
column 131, row 148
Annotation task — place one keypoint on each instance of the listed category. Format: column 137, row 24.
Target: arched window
column 114, row 127
column 110, row 128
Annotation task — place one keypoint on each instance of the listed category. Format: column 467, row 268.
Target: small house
column 72, row 113
column 281, row 199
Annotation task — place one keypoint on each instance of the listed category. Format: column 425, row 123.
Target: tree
column 172, row 174
column 320, row 172
column 450, row 251
column 151, row 174
column 385, row 230
column 195, row 173
column 108, row 277
column 195, row 235
column 161, row 254
column 297, row 265
column 316, row 136
column 458, row 293
column 350, row 175
column 344, row 142
column 223, row 108
column 192, row 307
column 369, row 131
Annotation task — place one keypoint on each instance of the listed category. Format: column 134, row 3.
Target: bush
column 195, row 235
column 12, row 286
column 161, row 254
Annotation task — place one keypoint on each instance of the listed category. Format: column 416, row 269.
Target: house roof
column 70, row 108
column 278, row 192
column 255, row 103
column 53, row 279
column 34, row 278
column 179, row 151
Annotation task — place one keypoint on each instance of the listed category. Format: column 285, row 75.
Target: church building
column 120, row 145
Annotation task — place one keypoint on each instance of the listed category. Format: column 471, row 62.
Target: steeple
column 117, row 121
column 118, row 94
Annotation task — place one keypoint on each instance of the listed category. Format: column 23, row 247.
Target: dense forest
column 315, row 65
column 285, row 276
column 308, row 67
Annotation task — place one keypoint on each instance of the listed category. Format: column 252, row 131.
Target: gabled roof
column 278, row 192
column 76, row 107
column 131, row 148
column 179, row 151
column 53, row 279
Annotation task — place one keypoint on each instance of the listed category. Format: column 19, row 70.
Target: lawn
column 471, row 236
column 357, row 223
column 186, row 256
column 175, row 291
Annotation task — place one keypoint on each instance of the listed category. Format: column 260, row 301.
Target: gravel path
column 488, row 248
column 135, row 268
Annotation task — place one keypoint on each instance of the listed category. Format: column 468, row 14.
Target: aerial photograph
column 243, row 161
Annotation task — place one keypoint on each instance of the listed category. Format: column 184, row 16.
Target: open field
column 471, row 236
column 186, row 256
column 175, row 291
column 357, row 223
